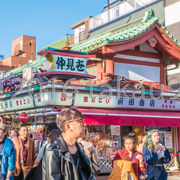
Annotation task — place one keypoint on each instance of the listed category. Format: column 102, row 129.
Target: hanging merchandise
column 3, row 119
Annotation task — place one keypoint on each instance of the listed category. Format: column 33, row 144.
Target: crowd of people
column 65, row 153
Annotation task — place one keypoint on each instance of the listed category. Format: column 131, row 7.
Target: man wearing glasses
column 65, row 159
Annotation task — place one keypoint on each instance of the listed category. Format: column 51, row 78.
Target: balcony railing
column 117, row 11
column 111, row 1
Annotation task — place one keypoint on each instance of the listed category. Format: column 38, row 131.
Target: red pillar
column 162, row 74
column 109, row 66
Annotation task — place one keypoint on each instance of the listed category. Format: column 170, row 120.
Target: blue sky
column 48, row 20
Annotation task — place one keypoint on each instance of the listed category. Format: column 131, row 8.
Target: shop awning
column 131, row 118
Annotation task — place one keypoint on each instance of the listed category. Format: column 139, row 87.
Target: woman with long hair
column 141, row 140
column 53, row 135
column 155, row 155
column 36, row 172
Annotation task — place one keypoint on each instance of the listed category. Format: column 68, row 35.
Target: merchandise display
column 105, row 143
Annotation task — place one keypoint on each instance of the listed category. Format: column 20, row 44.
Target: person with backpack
column 41, row 135
column 53, row 135
column 128, row 163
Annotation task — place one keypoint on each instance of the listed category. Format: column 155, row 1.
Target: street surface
column 176, row 177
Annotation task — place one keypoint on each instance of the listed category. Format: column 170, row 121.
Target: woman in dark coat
column 155, row 155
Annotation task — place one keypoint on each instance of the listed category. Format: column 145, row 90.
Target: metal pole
column 108, row 4
column 67, row 40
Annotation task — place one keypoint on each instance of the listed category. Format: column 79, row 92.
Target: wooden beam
column 141, row 54
column 162, row 74
column 137, row 48
column 124, row 45
column 128, row 61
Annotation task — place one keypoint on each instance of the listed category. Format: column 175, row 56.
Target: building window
column 82, row 36
column 20, row 45
column 111, row 1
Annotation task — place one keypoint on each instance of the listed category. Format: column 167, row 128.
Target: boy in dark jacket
column 65, row 159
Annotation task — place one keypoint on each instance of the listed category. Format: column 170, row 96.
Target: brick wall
column 23, row 50
column 5, row 68
column 7, row 61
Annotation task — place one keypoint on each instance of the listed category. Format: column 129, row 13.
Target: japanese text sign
column 69, row 64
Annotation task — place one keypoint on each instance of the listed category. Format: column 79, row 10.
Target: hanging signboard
column 67, row 64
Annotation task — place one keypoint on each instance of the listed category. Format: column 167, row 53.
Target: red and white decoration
column 23, row 117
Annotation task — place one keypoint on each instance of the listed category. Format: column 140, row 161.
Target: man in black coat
column 64, row 159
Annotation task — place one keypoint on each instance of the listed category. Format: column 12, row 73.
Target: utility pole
column 67, row 40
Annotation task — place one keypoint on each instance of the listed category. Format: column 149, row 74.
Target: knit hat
column 3, row 127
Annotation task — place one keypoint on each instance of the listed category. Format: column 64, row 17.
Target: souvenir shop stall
column 109, row 116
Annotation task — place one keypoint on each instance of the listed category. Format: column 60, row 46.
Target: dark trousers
column 20, row 177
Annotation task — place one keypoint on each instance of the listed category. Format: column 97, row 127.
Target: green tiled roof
column 121, row 33
column 20, row 69
column 60, row 44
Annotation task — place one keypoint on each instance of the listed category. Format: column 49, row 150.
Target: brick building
column 23, row 50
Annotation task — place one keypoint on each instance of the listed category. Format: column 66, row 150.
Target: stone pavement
column 174, row 177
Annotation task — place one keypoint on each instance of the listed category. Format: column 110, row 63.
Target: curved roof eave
column 128, row 34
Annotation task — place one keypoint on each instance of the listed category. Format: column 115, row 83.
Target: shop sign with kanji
column 16, row 103
column 53, row 98
column 85, row 99
column 105, row 101
column 68, row 64
column 147, row 103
